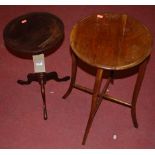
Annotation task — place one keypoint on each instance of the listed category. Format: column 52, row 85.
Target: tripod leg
column 54, row 76
column 30, row 77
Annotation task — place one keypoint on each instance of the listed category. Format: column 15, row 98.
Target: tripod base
column 42, row 78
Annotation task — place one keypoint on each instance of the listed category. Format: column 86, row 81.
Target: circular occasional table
column 33, row 34
column 113, row 42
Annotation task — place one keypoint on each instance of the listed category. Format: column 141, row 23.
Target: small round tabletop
column 33, row 33
column 111, row 41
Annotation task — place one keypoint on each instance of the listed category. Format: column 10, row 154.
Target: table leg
column 42, row 87
column 94, row 106
column 138, row 84
column 73, row 76
column 42, row 78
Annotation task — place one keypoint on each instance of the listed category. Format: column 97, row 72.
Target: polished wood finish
column 32, row 34
column 109, row 41
column 73, row 76
column 138, row 84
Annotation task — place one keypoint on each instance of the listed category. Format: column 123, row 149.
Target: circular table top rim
column 18, row 18
column 104, row 66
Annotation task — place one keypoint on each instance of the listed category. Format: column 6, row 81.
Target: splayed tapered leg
column 95, row 104
column 73, row 76
column 138, row 84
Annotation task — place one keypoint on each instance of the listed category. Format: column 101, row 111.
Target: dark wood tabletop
column 111, row 41
column 34, row 33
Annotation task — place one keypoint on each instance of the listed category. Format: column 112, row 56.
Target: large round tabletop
column 111, row 41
